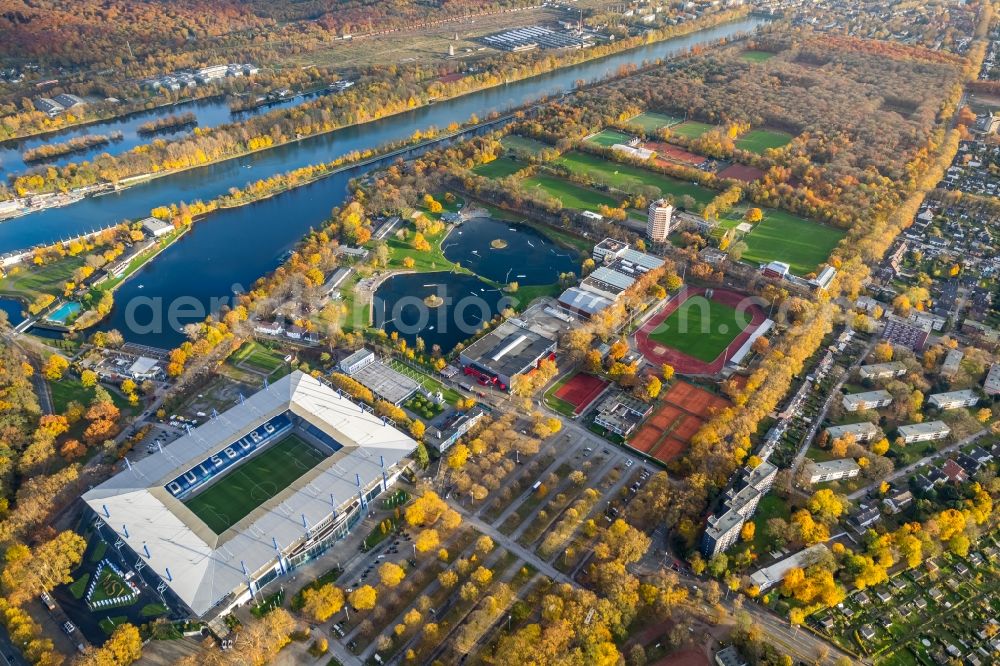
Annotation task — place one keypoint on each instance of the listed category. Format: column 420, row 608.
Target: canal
column 209, row 113
column 226, row 252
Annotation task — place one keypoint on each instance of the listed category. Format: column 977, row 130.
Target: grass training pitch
column 570, row 194
column 759, row 140
column 700, row 328
column 781, row 236
column 651, row 121
column 691, row 129
column 524, row 144
column 624, row 175
column 240, row 491
column 756, row 56
column 499, row 168
column 609, row 137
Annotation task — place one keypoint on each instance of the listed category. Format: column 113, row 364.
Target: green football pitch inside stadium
column 700, row 328
column 252, row 483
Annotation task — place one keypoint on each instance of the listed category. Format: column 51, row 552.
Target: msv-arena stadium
column 252, row 493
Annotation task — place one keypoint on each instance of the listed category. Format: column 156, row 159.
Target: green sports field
column 691, row 129
column 651, row 121
column 624, row 175
column 499, row 168
column 700, row 328
column 759, row 140
column 609, row 137
column 253, row 482
column 781, row 236
column 524, row 144
column 570, row 194
column 756, row 56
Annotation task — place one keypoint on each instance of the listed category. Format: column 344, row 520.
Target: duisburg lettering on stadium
column 214, row 465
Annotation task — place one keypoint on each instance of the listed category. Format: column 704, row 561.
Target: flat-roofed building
column 924, row 432
column 992, row 383
column 453, row 427
column 621, row 413
column 509, row 350
column 156, row 227
column 658, row 220
column 738, row 506
column 882, row 370
column 952, row 363
column 868, row 400
column 356, row 361
column 582, row 302
column 833, row 470
column 862, row 432
column 954, row 399
column 770, row 576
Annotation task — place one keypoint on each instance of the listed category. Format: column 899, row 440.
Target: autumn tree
column 321, row 603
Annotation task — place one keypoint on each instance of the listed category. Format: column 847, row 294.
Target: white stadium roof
column 205, row 567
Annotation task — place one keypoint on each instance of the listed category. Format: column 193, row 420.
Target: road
column 909, row 469
column 834, row 393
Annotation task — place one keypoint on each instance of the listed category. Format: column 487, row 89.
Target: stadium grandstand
column 252, row 493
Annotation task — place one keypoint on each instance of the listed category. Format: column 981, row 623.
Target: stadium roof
column 205, row 567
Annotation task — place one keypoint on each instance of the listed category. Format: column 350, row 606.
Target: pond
column 13, row 309
column 466, row 302
column 506, row 252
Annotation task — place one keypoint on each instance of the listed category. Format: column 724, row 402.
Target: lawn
column 154, row 610
column 570, row 194
column 109, row 624
column 691, row 129
column 69, row 389
column 700, row 328
column 48, row 279
column 423, row 262
column 756, row 56
column 651, row 121
column 110, row 586
column 608, row 138
column 254, row 482
column 516, row 142
column 623, row 175
column 499, row 168
column 759, row 140
column 781, row 236
column 770, row 506
column 79, row 586
column 258, row 357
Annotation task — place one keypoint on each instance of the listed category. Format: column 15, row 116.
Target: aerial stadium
column 252, row 493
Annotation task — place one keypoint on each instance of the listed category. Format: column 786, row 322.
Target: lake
column 467, row 301
column 529, row 257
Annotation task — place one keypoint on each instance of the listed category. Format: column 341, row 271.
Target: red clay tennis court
column 580, row 390
column 672, row 153
column 685, row 408
column 747, row 174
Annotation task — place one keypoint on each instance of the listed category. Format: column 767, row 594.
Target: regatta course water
column 230, row 249
column 209, row 113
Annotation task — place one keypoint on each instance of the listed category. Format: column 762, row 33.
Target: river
column 232, row 248
column 209, row 112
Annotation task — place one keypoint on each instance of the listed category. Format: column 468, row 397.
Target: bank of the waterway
column 210, row 112
column 207, row 182
column 229, row 251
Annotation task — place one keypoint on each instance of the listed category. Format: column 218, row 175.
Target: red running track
column 659, row 354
